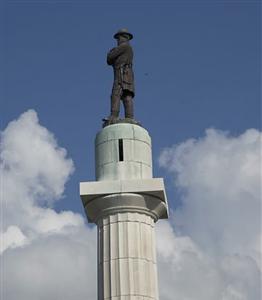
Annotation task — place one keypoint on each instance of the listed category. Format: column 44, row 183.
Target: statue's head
column 123, row 36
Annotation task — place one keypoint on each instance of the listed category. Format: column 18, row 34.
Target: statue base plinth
column 110, row 121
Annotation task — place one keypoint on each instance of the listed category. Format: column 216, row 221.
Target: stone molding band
column 101, row 207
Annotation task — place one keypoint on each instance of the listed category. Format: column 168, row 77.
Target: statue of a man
column 121, row 58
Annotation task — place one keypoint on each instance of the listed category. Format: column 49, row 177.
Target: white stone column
column 125, row 202
column 126, row 257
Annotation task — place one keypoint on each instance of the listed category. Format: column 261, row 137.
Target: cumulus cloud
column 32, row 152
column 209, row 249
column 45, row 254
column 57, row 266
column 12, row 238
column 34, row 171
column 218, row 224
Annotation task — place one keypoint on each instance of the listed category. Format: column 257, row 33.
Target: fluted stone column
column 127, row 258
column 125, row 202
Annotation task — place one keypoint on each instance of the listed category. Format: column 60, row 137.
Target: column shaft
column 126, row 257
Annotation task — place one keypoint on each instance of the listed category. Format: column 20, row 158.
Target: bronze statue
column 121, row 59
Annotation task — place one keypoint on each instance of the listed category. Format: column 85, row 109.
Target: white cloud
column 34, row 171
column 46, row 254
column 219, row 178
column 30, row 154
column 187, row 272
column 12, row 238
column 57, row 266
column 210, row 248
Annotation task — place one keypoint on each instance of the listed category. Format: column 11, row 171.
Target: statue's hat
column 123, row 31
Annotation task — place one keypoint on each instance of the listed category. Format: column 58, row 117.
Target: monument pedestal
column 125, row 202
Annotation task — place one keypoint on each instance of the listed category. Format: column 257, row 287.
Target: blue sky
column 197, row 66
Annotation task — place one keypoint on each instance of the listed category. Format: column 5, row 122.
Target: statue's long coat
column 121, row 58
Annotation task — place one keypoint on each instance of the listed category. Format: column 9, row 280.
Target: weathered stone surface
column 125, row 202
column 127, row 257
column 136, row 158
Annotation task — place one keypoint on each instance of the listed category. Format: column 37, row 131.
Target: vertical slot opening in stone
column 120, row 150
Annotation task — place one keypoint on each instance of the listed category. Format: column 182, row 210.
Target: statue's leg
column 128, row 105
column 115, row 102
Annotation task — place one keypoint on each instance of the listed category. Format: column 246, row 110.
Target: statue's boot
column 111, row 119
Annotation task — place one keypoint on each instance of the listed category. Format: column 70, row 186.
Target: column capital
column 145, row 196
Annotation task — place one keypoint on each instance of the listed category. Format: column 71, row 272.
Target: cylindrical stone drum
column 123, row 151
